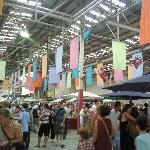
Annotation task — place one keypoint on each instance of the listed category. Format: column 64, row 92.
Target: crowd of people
column 101, row 127
column 118, row 128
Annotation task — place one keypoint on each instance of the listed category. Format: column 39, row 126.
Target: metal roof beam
column 28, row 8
column 117, row 24
column 53, row 10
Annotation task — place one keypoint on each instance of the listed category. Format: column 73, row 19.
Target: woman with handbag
column 103, row 129
column 126, row 140
column 11, row 131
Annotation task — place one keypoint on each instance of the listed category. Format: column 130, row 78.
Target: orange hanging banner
column 1, row 7
column 145, row 23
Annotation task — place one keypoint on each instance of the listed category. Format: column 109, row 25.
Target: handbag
column 18, row 146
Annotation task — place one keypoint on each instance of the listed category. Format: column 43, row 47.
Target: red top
column 103, row 142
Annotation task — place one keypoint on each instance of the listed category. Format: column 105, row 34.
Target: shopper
column 114, row 114
column 35, row 116
column 60, row 123
column 24, row 119
column 142, row 142
column 53, row 122
column 126, row 140
column 85, row 143
column 103, row 129
column 67, row 113
column 45, row 126
column 11, row 132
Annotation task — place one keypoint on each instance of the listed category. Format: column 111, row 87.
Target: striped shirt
column 44, row 118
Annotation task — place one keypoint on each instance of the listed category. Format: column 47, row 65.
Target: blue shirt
column 60, row 115
column 24, row 118
column 142, row 142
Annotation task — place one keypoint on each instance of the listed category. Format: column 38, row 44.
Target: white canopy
column 85, row 94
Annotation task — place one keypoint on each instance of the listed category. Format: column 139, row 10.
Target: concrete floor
column 70, row 143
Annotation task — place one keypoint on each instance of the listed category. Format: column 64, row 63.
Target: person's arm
column 95, row 133
column 129, row 117
column 63, row 123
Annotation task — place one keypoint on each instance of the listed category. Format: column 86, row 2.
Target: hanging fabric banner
column 74, row 52
column 34, row 65
column 118, row 75
column 138, row 64
column 52, row 75
column 63, row 80
column 24, row 76
column 29, row 79
column 69, row 80
column 130, row 72
column 18, row 78
column 89, row 75
column 6, row 85
column 59, row 81
column 100, row 75
column 119, row 55
column 58, row 59
column 145, row 22
column 75, row 73
column 87, row 34
column 1, row 7
column 2, row 70
column 45, row 85
column 38, row 82
column 44, row 66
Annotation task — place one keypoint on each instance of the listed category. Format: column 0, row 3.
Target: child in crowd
column 142, row 142
column 85, row 142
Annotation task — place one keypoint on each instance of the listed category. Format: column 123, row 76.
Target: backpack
column 35, row 113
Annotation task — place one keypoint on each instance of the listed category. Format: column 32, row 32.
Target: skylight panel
column 95, row 13
column 32, row 3
column 91, row 19
column 75, row 27
column 107, row 8
column 130, row 41
column 88, row 25
column 117, row 2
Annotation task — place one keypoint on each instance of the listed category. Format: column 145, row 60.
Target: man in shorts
column 60, row 123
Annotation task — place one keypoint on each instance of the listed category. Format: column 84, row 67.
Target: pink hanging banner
column 44, row 66
column 74, row 52
column 118, row 75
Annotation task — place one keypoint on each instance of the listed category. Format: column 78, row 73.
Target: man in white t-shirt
column 114, row 114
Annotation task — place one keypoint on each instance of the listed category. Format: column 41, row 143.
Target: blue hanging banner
column 34, row 65
column 75, row 73
column 45, row 85
column 87, row 34
column 89, row 75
